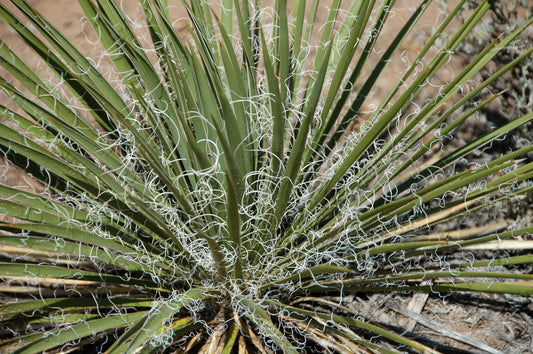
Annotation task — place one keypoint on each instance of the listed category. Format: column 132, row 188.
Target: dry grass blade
column 443, row 330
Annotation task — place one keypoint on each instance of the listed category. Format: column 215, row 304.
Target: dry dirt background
column 462, row 323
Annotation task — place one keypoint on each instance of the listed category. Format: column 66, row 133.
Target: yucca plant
column 224, row 193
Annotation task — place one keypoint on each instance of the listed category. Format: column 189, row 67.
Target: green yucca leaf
column 81, row 330
column 231, row 340
column 137, row 335
column 70, row 233
column 297, row 152
column 42, row 272
column 223, row 190
column 355, row 323
column 45, row 306
column 262, row 319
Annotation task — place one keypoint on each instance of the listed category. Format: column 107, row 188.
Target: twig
column 442, row 330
